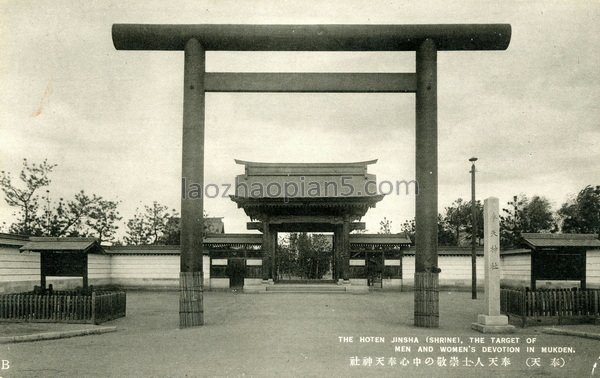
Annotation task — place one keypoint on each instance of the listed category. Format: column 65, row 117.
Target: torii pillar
column 426, row 40
column 191, row 307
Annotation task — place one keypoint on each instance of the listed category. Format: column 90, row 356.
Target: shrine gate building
column 309, row 197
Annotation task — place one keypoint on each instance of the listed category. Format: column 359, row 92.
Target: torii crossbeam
column 426, row 40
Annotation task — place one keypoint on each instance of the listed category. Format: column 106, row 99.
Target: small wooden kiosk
column 63, row 257
column 559, row 256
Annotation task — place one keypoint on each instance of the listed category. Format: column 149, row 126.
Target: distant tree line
column 37, row 214
column 580, row 214
column 155, row 224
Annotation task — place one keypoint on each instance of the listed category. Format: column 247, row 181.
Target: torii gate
column 426, row 40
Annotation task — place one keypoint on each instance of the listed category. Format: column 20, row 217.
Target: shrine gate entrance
column 426, row 40
column 306, row 197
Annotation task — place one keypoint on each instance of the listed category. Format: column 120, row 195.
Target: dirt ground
column 298, row 335
column 25, row 328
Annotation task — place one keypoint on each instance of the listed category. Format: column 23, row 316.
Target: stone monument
column 492, row 321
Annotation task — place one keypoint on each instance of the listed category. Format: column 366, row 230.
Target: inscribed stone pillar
column 492, row 321
column 491, row 234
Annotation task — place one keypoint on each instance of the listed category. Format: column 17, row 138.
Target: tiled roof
column 560, row 240
column 450, row 251
column 233, row 239
column 209, row 240
column 254, row 168
column 380, row 239
column 516, row 251
column 144, row 250
column 13, row 239
column 48, row 244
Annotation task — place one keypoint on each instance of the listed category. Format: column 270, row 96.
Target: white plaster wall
column 358, row 281
column 206, row 271
column 456, row 271
column 252, row 281
column 391, row 283
column 408, row 272
column 593, row 269
column 455, row 274
column 18, row 271
column 145, row 270
column 219, row 283
column 99, row 269
column 151, row 271
column 516, row 270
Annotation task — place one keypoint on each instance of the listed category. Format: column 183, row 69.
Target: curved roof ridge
column 273, row 164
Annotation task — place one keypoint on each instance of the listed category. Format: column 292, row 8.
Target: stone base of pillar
column 427, row 300
column 391, row 284
column 357, row 289
column 256, row 287
column 492, row 324
column 191, row 306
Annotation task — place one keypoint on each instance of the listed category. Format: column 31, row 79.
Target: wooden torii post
column 426, row 40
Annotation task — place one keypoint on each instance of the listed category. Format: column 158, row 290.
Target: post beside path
column 492, row 321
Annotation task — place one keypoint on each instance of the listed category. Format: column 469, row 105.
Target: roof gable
column 380, row 239
column 62, row 244
column 538, row 240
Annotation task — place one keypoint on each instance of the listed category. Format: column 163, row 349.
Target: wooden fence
column 551, row 306
column 63, row 307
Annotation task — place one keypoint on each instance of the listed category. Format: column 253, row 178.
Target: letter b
column 5, row 364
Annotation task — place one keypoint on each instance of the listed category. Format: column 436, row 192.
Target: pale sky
column 112, row 119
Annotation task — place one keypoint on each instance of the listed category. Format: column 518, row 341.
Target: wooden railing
column 63, row 306
column 558, row 306
column 108, row 306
